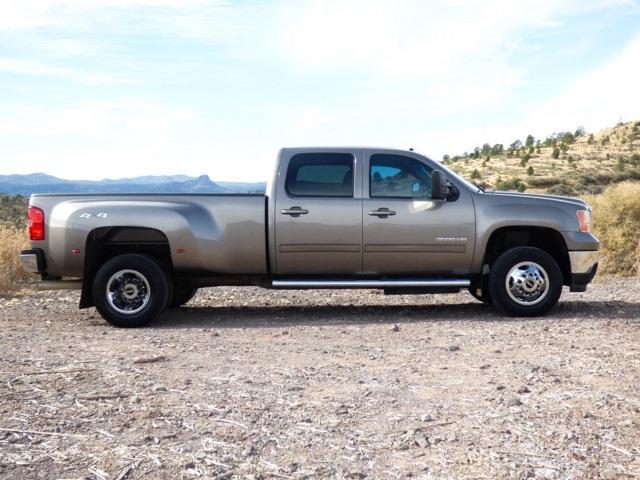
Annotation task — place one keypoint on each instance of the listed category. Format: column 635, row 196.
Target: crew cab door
column 404, row 230
column 318, row 212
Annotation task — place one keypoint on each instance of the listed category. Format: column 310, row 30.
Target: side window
column 399, row 177
column 320, row 175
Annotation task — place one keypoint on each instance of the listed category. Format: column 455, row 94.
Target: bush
column 511, row 184
column 556, row 153
column 12, row 240
column 616, row 214
column 530, row 170
column 562, row 189
column 543, row 182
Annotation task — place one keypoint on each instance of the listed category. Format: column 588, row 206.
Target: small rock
column 500, row 387
column 514, row 402
column 453, row 348
column 421, row 441
column 523, row 389
column 159, row 388
column 426, row 418
column 588, row 414
column 395, row 328
column 189, row 465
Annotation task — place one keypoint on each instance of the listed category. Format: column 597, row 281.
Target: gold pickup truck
column 331, row 218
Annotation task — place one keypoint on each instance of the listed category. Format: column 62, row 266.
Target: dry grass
column 617, row 224
column 12, row 240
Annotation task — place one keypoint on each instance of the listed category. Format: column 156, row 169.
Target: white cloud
column 597, row 100
column 28, row 66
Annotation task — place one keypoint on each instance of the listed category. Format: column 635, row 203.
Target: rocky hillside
column 570, row 162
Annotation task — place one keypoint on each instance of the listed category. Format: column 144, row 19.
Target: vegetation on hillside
column 13, row 210
column 564, row 163
column 616, row 214
column 12, row 240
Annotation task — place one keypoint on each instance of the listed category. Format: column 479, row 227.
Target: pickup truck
column 331, row 218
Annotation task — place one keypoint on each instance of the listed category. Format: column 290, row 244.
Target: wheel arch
column 104, row 243
column 547, row 239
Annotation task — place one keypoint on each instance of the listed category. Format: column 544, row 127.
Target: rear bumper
column 33, row 261
column 584, row 265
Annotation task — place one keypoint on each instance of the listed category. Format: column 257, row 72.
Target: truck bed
column 206, row 233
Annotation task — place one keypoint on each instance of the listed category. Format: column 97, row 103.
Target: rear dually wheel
column 131, row 290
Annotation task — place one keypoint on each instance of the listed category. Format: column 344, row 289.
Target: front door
column 318, row 216
column 404, row 230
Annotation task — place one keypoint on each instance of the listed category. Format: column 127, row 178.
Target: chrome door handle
column 294, row 211
column 382, row 212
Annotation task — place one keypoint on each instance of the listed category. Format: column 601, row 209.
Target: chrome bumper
column 29, row 262
column 583, row 262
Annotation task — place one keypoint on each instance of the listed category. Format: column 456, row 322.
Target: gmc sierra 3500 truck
column 331, row 218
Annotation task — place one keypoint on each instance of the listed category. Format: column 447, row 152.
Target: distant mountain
column 43, row 183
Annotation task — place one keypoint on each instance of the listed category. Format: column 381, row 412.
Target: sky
column 120, row 88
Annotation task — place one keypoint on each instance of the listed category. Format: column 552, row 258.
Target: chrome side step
column 387, row 283
column 59, row 284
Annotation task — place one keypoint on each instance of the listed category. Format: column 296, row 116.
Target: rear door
column 404, row 230
column 318, row 213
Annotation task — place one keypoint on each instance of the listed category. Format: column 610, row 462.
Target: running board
column 387, row 283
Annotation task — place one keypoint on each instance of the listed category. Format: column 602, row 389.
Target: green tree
column 580, row 132
column 529, row 141
column 445, row 157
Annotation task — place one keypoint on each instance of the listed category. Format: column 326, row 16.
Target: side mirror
column 439, row 187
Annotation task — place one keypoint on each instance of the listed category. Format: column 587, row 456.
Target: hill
column 42, row 183
column 570, row 163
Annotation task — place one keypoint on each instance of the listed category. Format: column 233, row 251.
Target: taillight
column 36, row 223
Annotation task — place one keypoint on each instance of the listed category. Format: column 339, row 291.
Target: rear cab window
column 320, row 175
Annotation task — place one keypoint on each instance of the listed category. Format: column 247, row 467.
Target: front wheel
column 525, row 282
column 131, row 290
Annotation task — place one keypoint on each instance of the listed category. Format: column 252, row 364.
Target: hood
column 551, row 198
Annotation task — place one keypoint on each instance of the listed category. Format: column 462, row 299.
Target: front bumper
column 33, row 261
column 584, row 265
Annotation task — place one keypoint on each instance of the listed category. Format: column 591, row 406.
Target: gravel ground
column 250, row 383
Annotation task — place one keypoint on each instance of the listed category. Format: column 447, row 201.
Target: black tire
column 536, row 290
column 139, row 295
column 182, row 293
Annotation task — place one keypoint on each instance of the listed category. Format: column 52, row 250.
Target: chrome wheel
column 527, row 283
column 128, row 292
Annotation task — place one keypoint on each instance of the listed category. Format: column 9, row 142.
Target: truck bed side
column 206, row 234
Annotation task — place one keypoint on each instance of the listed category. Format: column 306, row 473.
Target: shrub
column 562, row 189
column 556, row 153
column 543, row 182
column 510, row 184
column 530, row 170
column 616, row 214
column 12, row 240
column 475, row 174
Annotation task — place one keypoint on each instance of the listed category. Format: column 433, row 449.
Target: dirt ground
column 250, row 383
